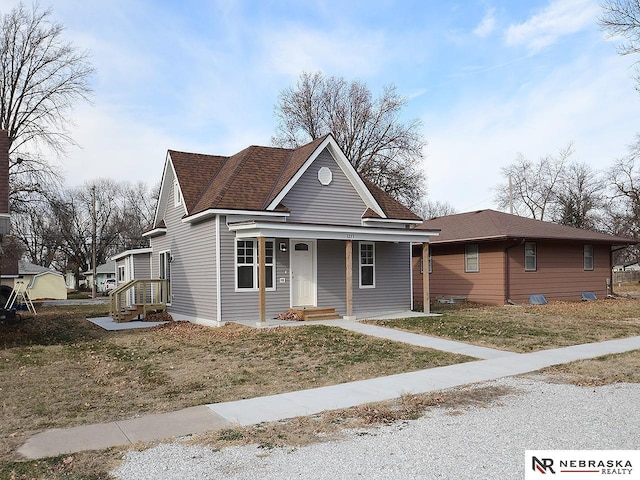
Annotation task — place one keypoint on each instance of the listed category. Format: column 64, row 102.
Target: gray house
column 249, row 236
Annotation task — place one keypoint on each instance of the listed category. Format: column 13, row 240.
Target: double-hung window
column 367, row 265
column 588, row 257
column 247, row 264
column 471, row 258
column 165, row 271
column 530, row 257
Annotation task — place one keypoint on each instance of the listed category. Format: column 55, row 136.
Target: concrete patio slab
column 108, row 323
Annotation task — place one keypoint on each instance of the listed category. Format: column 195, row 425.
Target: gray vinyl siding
column 243, row 305
column 392, row 279
column 337, row 203
column 331, row 275
column 142, row 265
column 193, row 269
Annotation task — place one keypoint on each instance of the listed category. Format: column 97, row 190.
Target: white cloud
column 578, row 102
column 559, row 18
column 295, row 49
column 487, row 25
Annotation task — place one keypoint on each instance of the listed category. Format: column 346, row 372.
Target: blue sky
column 488, row 78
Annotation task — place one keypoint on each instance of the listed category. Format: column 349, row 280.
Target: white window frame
column 468, row 255
column 254, row 265
column 534, row 256
column 586, row 257
column 120, row 277
column 429, row 261
column 164, row 266
column 177, row 193
column 372, row 264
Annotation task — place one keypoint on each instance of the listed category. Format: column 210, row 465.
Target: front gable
column 330, row 148
column 324, row 194
column 169, row 188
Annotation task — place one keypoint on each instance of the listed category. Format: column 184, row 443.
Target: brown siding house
column 495, row 258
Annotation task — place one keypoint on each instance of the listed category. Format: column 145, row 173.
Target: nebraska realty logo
column 582, row 464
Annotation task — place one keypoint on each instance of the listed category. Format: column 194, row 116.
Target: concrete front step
column 321, row 316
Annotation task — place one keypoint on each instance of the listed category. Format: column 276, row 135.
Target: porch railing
column 137, row 297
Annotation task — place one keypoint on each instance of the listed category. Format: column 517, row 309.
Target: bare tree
column 622, row 18
column 579, row 197
column 41, row 77
column 625, row 181
column 532, row 186
column 434, row 208
column 383, row 149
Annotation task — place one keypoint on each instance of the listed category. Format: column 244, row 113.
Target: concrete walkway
column 497, row 364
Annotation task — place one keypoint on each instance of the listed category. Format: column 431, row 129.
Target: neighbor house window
column 471, row 258
column 367, row 265
column 530, row 257
column 247, row 264
column 430, row 264
column 588, row 257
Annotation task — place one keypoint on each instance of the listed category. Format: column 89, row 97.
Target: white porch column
column 425, row 277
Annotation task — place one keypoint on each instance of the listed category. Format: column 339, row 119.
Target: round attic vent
column 325, row 176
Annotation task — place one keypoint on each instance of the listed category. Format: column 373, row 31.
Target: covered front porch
column 353, row 269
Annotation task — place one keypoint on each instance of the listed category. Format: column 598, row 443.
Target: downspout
column 507, row 280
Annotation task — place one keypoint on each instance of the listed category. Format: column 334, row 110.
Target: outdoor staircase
column 309, row 314
column 136, row 298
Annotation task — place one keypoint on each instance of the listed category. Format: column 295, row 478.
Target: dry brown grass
column 531, row 327
column 329, row 425
column 59, row 370
column 605, row 370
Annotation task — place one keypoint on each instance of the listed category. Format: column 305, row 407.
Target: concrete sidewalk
column 497, row 364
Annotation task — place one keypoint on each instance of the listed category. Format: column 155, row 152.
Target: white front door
column 303, row 285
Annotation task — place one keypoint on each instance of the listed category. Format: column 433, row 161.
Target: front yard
column 59, row 370
column 530, row 327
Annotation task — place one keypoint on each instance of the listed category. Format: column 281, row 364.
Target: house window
column 530, row 257
column 247, row 264
column 430, row 261
column 177, row 194
column 471, row 258
column 588, row 257
column 165, row 271
column 120, row 273
column 367, row 265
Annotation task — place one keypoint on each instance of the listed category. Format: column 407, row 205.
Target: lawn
column 528, row 328
column 58, row 370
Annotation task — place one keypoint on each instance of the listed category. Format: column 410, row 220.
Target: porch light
column 283, row 246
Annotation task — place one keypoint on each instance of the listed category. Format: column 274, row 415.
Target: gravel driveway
column 476, row 443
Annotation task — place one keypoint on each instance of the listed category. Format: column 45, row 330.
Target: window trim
column 535, row 257
column 591, row 257
column 166, row 267
column 177, row 193
column 372, row 264
column 468, row 256
column 429, row 261
column 255, row 265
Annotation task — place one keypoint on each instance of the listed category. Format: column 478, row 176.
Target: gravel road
column 474, row 443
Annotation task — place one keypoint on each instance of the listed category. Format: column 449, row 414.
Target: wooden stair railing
column 137, row 297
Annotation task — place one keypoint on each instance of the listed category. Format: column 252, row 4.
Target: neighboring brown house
column 496, row 258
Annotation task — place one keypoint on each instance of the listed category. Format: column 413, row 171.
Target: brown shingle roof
column 252, row 179
column 493, row 225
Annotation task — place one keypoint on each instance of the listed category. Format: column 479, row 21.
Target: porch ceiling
column 253, row 229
